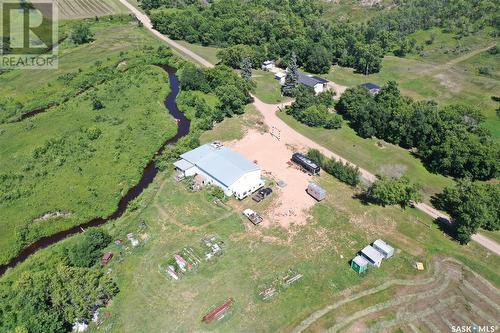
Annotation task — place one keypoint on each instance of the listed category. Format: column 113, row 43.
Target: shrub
column 342, row 171
column 87, row 251
column 391, row 191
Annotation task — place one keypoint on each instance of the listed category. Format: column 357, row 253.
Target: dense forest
column 450, row 140
column 274, row 28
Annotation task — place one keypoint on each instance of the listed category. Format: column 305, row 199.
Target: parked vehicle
column 252, row 216
column 305, row 163
column 261, row 194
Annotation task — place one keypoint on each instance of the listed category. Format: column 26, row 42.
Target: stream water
column 148, row 175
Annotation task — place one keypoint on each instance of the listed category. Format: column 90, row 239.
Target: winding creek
column 148, row 175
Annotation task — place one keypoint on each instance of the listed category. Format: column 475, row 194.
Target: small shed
column 267, row 65
column 200, row 180
column 280, row 76
column 106, row 258
column 384, row 248
column 359, row 264
column 316, row 191
column 374, row 257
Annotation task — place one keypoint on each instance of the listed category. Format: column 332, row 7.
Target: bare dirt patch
column 272, row 155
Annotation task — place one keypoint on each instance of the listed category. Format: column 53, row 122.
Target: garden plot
column 189, row 258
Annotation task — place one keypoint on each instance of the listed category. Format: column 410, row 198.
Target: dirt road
column 290, row 135
column 147, row 23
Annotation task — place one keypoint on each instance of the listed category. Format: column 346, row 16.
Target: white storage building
column 384, row 248
column 222, row 167
column 374, row 257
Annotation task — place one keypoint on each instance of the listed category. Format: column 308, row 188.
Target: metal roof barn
column 222, row 167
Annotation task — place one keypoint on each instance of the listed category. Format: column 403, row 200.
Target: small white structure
column 221, row 167
column 385, row 249
column 280, row 76
column 374, row 257
column 267, row 65
column 80, row 327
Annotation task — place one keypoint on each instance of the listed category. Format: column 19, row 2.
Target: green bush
column 87, row 251
column 344, row 172
column 392, row 191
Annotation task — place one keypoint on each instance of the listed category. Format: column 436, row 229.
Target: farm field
column 78, row 9
column 74, row 162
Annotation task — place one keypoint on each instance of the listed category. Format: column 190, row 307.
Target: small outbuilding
column 280, row 76
column 106, row 258
column 359, row 264
column 267, row 65
column 316, row 191
column 372, row 255
column 385, row 249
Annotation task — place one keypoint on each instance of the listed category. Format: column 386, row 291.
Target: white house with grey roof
column 316, row 83
column 222, row 167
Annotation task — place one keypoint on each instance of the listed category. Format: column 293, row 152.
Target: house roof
column 221, row 163
column 310, row 81
column 183, row 165
column 320, row 79
column 370, row 86
column 371, row 253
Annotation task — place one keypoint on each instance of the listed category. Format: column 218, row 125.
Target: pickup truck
column 252, row 216
column 261, row 194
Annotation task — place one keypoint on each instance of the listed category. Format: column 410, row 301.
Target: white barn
column 374, row 257
column 221, row 167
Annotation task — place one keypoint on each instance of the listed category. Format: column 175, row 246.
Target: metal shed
column 374, row 257
column 359, row 264
column 384, row 248
column 316, row 191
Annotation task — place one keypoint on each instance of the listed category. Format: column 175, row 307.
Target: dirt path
column 147, row 23
column 293, row 137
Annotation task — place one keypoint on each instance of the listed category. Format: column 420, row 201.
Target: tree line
column 449, row 140
column 272, row 29
column 51, row 295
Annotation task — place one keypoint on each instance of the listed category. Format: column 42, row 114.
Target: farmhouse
column 371, row 87
column 316, row 83
column 222, row 167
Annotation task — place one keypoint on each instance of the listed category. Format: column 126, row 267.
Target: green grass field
column 72, row 159
column 442, row 75
column 267, row 88
column 207, row 52
column 370, row 156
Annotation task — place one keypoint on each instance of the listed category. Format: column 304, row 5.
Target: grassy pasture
column 78, row 176
column 254, row 256
column 442, row 75
column 267, row 90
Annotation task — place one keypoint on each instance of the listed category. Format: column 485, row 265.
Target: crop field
column 73, row 162
column 78, row 9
